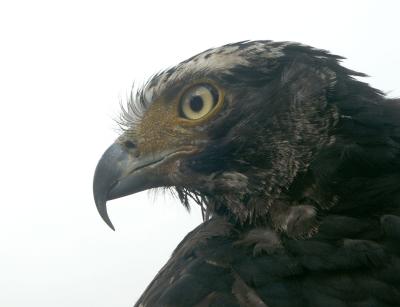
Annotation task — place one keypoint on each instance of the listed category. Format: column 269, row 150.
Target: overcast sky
column 64, row 67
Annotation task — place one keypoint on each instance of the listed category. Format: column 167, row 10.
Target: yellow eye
column 198, row 101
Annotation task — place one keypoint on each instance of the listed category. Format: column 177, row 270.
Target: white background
column 64, row 67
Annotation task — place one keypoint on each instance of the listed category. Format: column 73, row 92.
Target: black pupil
column 196, row 103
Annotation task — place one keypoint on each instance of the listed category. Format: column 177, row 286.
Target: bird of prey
column 295, row 163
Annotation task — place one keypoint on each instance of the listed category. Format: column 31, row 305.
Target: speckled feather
column 299, row 179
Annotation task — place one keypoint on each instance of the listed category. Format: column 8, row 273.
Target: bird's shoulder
column 349, row 262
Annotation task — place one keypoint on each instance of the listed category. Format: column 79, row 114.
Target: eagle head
column 232, row 128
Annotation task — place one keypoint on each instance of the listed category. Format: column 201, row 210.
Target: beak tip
column 105, row 176
column 109, row 223
column 105, row 217
column 101, row 204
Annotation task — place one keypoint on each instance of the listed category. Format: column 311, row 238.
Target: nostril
column 130, row 144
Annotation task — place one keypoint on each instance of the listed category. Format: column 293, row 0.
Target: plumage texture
column 299, row 178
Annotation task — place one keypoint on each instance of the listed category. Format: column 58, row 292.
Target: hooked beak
column 121, row 172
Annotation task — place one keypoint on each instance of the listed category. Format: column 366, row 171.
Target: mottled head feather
column 285, row 102
column 257, row 56
column 221, row 60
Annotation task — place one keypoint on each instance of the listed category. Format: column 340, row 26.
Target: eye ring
column 199, row 101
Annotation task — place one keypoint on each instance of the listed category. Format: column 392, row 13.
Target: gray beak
column 120, row 173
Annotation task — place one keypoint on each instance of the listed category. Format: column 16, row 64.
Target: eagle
column 295, row 163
